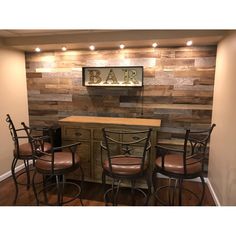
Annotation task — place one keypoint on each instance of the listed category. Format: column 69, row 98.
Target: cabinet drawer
column 134, row 137
column 98, row 135
column 77, row 133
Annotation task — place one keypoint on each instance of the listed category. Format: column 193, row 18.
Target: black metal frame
column 15, row 134
column 109, row 86
column 125, row 148
column 197, row 142
column 58, row 174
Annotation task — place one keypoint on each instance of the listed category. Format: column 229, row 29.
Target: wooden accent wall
column 178, row 87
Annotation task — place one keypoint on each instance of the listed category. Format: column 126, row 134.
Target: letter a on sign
column 111, row 76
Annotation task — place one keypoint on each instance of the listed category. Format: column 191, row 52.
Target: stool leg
column 117, row 192
column 14, row 178
column 133, row 192
column 45, row 189
column 154, row 183
column 26, row 162
column 149, row 184
column 81, row 202
column 104, row 188
column 174, row 190
column 169, row 190
column 60, row 180
column 203, row 190
column 104, row 181
column 154, row 174
column 58, row 191
column 63, row 188
column 113, row 189
column 82, row 184
column 34, row 188
column 180, row 191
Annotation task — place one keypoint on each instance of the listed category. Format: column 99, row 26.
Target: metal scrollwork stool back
column 181, row 164
column 22, row 152
column 54, row 166
column 125, row 155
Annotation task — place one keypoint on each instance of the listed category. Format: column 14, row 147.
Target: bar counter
column 112, row 121
column 88, row 130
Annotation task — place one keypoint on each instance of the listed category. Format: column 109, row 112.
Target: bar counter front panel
column 88, row 130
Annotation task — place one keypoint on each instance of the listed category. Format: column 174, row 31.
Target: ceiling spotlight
column 92, row 47
column 189, row 43
column 37, row 49
column 63, row 49
column 122, row 46
column 154, row 45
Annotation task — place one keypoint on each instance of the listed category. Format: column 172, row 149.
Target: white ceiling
column 34, row 32
column 27, row 40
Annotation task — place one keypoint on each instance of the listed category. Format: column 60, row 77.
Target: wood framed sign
column 122, row 76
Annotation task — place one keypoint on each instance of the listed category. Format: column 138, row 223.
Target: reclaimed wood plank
column 195, row 54
column 33, row 75
column 50, row 97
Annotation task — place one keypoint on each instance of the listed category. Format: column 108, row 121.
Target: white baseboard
column 8, row 173
column 213, row 194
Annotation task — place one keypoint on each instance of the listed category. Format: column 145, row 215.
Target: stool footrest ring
column 54, row 186
column 109, row 191
column 173, row 188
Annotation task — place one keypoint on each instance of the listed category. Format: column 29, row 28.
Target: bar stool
column 53, row 167
column 127, row 157
column 23, row 152
column 181, row 164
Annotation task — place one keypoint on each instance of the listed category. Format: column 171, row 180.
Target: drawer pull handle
column 136, row 137
column 78, row 134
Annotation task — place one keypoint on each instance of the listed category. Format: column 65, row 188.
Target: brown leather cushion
column 124, row 165
column 26, row 150
column 174, row 163
column 62, row 161
column 47, row 147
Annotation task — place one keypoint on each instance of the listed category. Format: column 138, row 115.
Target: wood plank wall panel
column 178, row 87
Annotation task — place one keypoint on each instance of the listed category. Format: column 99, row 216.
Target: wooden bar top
column 112, row 120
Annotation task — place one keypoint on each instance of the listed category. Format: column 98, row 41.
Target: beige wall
column 13, row 100
column 222, row 164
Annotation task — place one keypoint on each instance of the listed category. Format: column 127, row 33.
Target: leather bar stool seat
column 62, row 161
column 125, row 165
column 174, row 164
column 25, row 149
